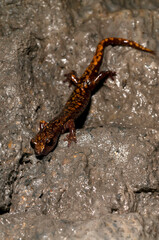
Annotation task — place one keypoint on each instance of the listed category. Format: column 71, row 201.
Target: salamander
column 46, row 139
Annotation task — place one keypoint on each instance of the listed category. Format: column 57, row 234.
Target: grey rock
column 105, row 186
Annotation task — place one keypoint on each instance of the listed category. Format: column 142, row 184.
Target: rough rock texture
column 107, row 185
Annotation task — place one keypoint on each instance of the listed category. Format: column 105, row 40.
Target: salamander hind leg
column 71, row 137
column 106, row 74
column 71, row 78
column 102, row 76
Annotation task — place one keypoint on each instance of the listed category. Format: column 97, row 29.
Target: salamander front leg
column 71, row 137
column 42, row 124
column 71, row 78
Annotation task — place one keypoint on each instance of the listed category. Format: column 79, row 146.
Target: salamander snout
column 42, row 146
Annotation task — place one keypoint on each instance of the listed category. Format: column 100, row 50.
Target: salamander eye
column 49, row 142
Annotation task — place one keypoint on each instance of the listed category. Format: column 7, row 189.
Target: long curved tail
column 97, row 59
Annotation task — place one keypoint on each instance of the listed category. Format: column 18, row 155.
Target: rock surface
column 107, row 185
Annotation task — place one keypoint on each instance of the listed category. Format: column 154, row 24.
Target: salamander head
column 44, row 143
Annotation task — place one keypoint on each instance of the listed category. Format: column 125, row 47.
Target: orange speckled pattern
column 46, row 139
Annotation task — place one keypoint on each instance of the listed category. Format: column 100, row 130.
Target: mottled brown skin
column 47, row 138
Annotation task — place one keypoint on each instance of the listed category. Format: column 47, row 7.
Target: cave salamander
column 47, row 138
